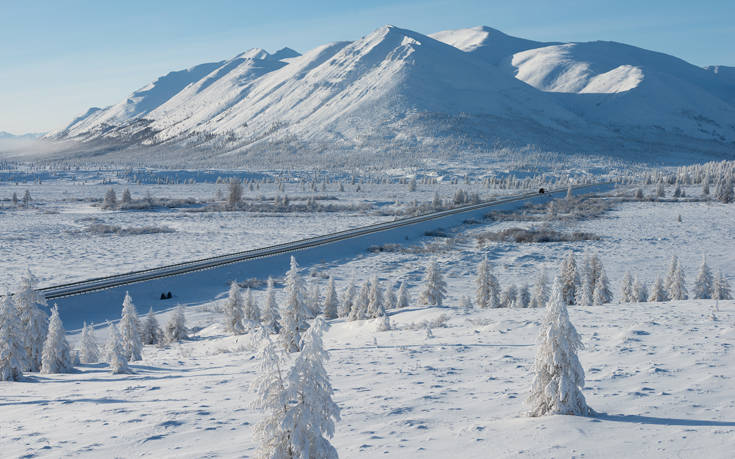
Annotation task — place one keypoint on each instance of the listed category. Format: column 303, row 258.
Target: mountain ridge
column 472, row 88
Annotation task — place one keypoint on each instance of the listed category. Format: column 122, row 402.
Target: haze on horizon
column 65, row 60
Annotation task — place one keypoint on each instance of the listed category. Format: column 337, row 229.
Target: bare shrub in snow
column 533, row 235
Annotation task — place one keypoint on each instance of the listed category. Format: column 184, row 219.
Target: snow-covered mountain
column 459, row 90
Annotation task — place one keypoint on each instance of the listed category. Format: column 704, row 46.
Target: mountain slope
column 462, row 90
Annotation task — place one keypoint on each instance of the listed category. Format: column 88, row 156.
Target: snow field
column 659, row 374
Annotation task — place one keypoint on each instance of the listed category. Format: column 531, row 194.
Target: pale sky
column 60, row 58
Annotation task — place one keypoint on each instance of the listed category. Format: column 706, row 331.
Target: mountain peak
column 285, row 53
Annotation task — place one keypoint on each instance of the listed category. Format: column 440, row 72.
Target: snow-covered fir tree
column 176, row 327
column 540, row 294
column 640, row 290
column 601, row 294
column 486, row 291
column 114, row 352
column 312, row 411
column 570, row 279
column 389, row 297
column 271, row 314
column 295, row 313
column 720, row 287
column 375, row 298
column 675, row 282
column 658, row 291
column 435, row 289
column 704, row 282
column 33, row 320
column 126, row 198
column 314, row 300
column 89, row 350
column 271, row 398
column 152, row 333
column 110, row 201
column 56, row 357
column 12, row 346
column 251, row 311
column 360, row 303
column 348, row 296
column 509, row 297
column 524, row 297
column 233, row 310
column 130, row 330
column 403, row 299
column 626, row 289
column 559, row 376
column 331, row 301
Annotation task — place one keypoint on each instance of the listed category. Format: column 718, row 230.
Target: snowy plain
column 658, row 374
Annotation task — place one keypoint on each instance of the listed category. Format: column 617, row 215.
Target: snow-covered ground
column 659, row 375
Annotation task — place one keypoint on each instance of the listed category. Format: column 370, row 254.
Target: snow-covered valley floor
column 660, row 375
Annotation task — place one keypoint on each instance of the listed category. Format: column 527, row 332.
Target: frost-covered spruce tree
column 360, row 304
column 295, row 313
column 602, row 293
column 89, row 350
column 540, row 294
column 233, row 310
column 271, row 397
column 56, row 357
column 375, row 298
column 114, row 352
column 348, row 297
column 704, row 281
column 152, row 333
column 130, row 330
column 176, row 326
column 312, row 412
column 640, row 291
column 12, row 349
column 720, row 287
column 509, row 297
column 559, row 377
column 403, row 299
column 524, row 297
column 314, row 301
column 251, row 311
column 110, row 201
column 33, row 320
column 482, row 284
column 482, row 290
column 389, row 297
column 675, row 283
column 126, row 198
column 331, row 301
column 271, row 314
column 658, row 292
column 570, row 279
column 435, row 289
column 626, row 289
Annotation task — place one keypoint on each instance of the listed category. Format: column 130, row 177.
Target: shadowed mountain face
column 469, row 89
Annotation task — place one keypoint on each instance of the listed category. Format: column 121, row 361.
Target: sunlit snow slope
column 476, row 86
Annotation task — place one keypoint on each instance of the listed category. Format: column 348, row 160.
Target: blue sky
column 59, row 58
